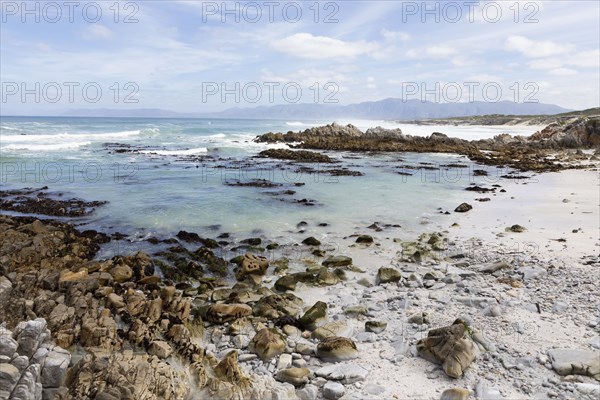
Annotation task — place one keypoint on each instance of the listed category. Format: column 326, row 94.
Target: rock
column 252, row 265
column 160, row 349
column 374, row 390
column 337, row 261
column 334, row 349
column 287, row 282
column 295, row 376
column 296, row 155
column 493, row 311
column 387, row 275
column 311, row 241
column 5, row 289
column 221, row 313
column 346, row 373
column 464, row 207
column 455, row 394
column 314, row 316
column 9, row 376
column 480, row 302
column 530, row 273
column 333, row 390
column 278, row 305
column 308, row 392
column 285, row 361
column 267, row 343
column 450, row 346
column 305, row 348
column 492, row 267
column 366, row 239
column 375, row 326
column 575, row 362
column 121, row 273
column 70, row 276
column 516, row 228
column 356, row 310
column 55, row 368
column 8, row 345
column 484, row 392
column 115, row 301
column 30, row 335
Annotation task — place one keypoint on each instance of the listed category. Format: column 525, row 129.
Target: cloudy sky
column 194, row 56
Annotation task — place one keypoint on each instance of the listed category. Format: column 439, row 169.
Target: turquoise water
column 177, row 177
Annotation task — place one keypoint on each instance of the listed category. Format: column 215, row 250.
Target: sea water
column 177, row 178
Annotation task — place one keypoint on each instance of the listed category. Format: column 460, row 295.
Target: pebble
column 308, row 392
column 285, row 361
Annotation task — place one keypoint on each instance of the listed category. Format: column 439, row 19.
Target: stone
column 337, row 261
column 9, row 376
column 8, row 345
column 311, row 241
column 375, row 326
column 252, row 265
column 516, row 228
column 387, row 275
column 334, row 328
column 450, row 346
column 240, row 341
column 333, row 390
column 160, row 349
column 575, row 362
column 493, row 311
column 70, row 276
column 346, row 373
column 5, row 289
column 30, row 335
column 55, row 367
column 295, row 376
column 531, row 272
column 455, row 394
column 287, row 282
column 464, row 207
column 356, row 310
column 267, row 343
column 278, row 305
column 334, row 349
column 480, row 302
column 308, row 392
column 285, row 361
column 305, row 348
column 492, row 267
column 121, row 273
column 374, row 390
column 114, row 300
column 485, row 392
column 314, row 316
column 221, row 313
column 366, row 239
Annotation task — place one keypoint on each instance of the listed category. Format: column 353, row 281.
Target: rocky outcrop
column 296, row 155
column 31, row 367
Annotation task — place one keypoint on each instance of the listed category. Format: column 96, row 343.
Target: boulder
column 267, row 343
column 295, row 376
column 314, row 316
column 462, row 208
column 576, row 362
column 387, row 275
column 337, row 261
column 334, row 349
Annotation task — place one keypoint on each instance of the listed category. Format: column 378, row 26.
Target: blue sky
column 180, row 55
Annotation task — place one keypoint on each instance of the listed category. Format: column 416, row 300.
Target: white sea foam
column 296, row 123
column 176, row 152
column 44, row 147
column 68, row 137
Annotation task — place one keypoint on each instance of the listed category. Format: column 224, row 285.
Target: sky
column 204, row 56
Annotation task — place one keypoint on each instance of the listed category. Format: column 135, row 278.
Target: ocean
column 160, row 176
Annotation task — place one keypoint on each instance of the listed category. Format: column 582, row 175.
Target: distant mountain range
column 387, row 109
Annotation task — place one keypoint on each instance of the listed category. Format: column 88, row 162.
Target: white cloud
column 97, row 31
column 305, row 45
column 439, row 51
column 535, row 49
column 562, row 71
column 392, row 36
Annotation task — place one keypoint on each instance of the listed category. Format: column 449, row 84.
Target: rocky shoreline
column 369, row 318
column 557, row 147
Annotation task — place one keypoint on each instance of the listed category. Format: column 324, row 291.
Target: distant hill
column 387, row 109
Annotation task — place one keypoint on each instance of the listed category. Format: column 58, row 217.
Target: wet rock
column 267, row 343
column 278, row 305
column 314, row 316
column 462, row 208
column 366, row 239
column 252, row 265
column 296, row 155
column 287, row 282
column 121, row 273
column 337, row 261
column 375, row 326
column 295, row 376
column 573, row 361
column 387, row 275
column 450, row 346
column 516, row 228
column 334, row 349
column 311, row 241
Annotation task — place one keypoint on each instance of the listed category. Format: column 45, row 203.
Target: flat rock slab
column 580, row 362
column 347, row 373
